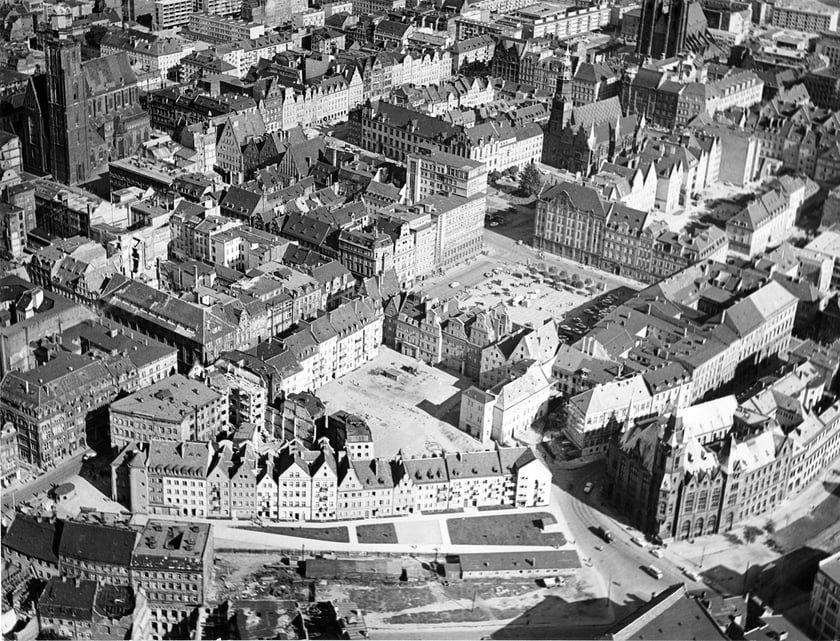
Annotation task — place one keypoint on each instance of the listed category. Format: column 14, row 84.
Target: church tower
column 68, row 157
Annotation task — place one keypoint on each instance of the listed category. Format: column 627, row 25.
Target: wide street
column 621, row 562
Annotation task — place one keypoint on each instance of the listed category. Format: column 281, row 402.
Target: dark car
column 605, row 534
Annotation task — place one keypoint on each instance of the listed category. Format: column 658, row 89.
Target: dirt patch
column 391, row 597
column 256, row 575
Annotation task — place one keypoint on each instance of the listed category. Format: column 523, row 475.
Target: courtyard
column 417, row 414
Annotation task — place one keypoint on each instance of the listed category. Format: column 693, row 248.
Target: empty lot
column 416, row 414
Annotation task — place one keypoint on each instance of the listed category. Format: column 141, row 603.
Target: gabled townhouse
column 366, row 489
column 430, row 482
column 475, row 479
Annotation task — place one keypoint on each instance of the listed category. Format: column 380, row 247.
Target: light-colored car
column 551, row 581
column 587, row 488
column 640, row 542
column 657, row 552
column 454, row 284
column 654, row 571
column 691, row 574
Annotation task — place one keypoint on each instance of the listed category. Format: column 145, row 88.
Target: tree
column 531, row 181
column 94, row 35
column 493, row 177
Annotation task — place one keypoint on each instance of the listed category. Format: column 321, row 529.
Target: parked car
column 551, row 581
column 640, row 542
column 587, row 488
column 454, row 284
column 691, row 574
column 657, row 552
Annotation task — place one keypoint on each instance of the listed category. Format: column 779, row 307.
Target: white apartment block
column 804, row 15
column 376, row 7
column 442, row 173
column 543, row 19
column 158, row 56
column 218, row 7
column 172, row 13
column 460, row 227
column 224, row 29
column 246, row 53
column 742, row 89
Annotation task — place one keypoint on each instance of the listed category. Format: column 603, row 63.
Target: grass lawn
column 336, row 534
column 503, row 529
column 377, row 533
column 824, row 516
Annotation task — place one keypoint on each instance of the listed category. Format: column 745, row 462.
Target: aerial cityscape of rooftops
column 420, row 319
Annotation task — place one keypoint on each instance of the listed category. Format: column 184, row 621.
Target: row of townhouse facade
column 384, row 71
column 218, row 480
column 574, row 221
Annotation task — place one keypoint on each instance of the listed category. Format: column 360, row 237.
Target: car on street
column 551, row 581
column 654, row 571
column 657, row 552
column 587, row 488
column 691, row 574
column 454, row 284
column 605, row 534
column 494, row 223
column 640, row 542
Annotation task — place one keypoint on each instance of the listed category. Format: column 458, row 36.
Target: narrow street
column 15, row 495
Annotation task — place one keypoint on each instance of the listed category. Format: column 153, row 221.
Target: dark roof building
column 96, row 552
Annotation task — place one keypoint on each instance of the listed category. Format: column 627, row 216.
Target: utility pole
column 475, row 594
column 702, row 556
column 746, row 576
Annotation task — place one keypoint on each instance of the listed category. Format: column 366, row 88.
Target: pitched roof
column 34, row 538
column 97, row 543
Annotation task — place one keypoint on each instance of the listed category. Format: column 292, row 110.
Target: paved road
column 619, row 563
column 518, row 629
column 57, row 475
